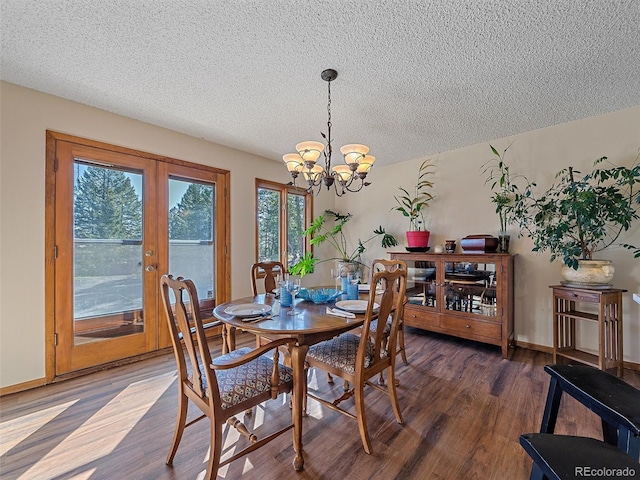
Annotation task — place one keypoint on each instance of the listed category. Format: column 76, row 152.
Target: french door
column 120, row 219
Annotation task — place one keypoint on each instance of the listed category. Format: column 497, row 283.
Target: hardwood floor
column 463, row 405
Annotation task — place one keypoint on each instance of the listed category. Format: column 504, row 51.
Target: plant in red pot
column 412, row 205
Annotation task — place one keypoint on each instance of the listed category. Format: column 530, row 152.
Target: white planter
column 589, row 273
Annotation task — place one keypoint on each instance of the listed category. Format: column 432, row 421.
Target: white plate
column 248, row 309
column 355, row 306
column 365, row 287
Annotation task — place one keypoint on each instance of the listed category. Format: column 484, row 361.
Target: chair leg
column 362, row 419
column 551, row 407
column 183, row 405
column 393, row 394
column 537, row 473
column 609, row 433
column 215, row 451
column 225, row 340
column 329, row 378
column 403, row 352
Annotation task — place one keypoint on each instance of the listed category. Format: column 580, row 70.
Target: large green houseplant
column 413, row 205
column 329, row 228
column 579, row 214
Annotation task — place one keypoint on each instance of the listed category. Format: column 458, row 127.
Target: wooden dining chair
column 223, row 387
column 392, row 265
column 358, row 358
column 268, row 271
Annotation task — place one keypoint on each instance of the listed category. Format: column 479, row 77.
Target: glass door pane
column 421, row 282
column 471, row 287
column 191, row 234
column 107, row 253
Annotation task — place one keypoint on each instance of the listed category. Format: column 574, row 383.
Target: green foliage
column 577, row 216
column 320, row 231
column 505, row 187
column 106, row 206
column 192, row 217
column 412, row 205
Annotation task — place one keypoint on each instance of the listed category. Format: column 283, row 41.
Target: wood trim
column 213, row 333
column 49, row 259
column 546, row 349
column 21, row 387
column 130, row 151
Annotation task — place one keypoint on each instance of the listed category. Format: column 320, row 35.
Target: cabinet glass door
column 471, row 287
column 421, row 282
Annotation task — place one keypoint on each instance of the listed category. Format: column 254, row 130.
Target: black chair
column 564, row 457
column 569, row 457
column 616, row 402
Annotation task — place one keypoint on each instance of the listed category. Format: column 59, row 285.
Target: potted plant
column 328, row 227
column 505, row 189
column 412, row 205
column 579, row 215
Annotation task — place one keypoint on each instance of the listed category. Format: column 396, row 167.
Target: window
column 282, row 215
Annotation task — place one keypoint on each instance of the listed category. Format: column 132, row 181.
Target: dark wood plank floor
column 463, row 405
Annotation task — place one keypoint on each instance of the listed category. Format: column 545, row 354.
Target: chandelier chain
column 329, row 150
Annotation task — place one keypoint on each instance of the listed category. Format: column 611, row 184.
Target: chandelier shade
column 349, row 177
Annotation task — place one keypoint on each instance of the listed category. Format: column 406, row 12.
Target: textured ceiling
column 415, row 77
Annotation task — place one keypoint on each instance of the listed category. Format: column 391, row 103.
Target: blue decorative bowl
column 319, row 295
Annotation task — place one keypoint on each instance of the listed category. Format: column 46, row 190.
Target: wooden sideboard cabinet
column 464, row 295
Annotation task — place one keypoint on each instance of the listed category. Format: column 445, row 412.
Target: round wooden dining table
column 309, row 326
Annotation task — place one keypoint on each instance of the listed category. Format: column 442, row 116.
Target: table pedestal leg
column 298, row 355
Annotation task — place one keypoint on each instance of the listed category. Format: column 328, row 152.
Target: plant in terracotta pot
column 412, row 205
column 328, row 227
column 579, row 215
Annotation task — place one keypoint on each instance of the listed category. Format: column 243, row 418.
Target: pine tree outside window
column 282, row 215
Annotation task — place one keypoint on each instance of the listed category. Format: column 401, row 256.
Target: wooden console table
column 608, row 318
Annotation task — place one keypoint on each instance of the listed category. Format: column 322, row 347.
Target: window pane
column 107, row 252
column 268, row 225
column 191, row 224
column 295, row 228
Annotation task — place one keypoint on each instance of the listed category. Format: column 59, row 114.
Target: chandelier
column 344, row 178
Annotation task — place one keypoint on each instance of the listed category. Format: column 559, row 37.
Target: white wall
column 462, row 208
column 25, row 116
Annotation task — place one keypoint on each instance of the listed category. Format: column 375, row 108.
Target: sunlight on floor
column 137, row 398
column 34, row 421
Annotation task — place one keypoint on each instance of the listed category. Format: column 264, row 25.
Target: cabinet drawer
column 472, row 327
column 577, row 295
column 420, row 317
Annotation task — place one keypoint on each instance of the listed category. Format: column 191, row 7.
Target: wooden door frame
column 223, row 252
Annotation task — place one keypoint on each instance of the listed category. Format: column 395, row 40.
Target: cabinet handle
column 468, row 326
